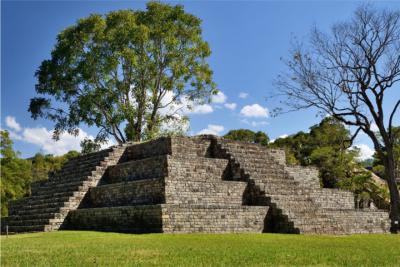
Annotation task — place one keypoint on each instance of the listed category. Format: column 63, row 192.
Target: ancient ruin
column 190, row 184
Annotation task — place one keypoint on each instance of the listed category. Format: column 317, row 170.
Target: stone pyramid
column 190, row 184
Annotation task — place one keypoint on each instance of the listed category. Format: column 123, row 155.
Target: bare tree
column 347, row 73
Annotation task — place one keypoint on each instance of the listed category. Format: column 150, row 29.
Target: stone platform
column 190, row 184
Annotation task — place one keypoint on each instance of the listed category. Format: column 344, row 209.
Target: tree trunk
column 394, row 191
column 138, row 130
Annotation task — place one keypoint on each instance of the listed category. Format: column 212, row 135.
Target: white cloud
column 199, row 109
column 14, row 135
column 43, row 138
column 107, row 144
column 12, row 123
column 255, row 123
column 283, row 136
column 230, row 106
column 365, row 151
column 219, row 98
column 255, row 111
column 183, row 107
column 243, row 95
column 212, row 129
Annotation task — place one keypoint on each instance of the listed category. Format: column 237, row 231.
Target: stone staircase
column 51, row 200
column 297, row 203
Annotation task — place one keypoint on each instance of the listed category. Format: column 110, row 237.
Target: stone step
column 33, row 202
column 48, row 203
column 64, row 187
column 91, row 156
column 38, row 216
column 54, row 207
column 42, row 211
column 27, row 228
column 45, row 197
column 75, row 170
column 26, row 222
column 72, row 178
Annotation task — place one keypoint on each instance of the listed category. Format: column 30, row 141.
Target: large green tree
column 128, row 72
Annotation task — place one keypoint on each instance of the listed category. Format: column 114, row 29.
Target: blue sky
column 247, row 41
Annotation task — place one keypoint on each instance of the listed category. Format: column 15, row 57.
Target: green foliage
column 126, row 72
column 246, row 135
column 89, row 146
column 325, row 147
column 367, row 163
column 17, row 174
column 43, row 165
column 83, row 248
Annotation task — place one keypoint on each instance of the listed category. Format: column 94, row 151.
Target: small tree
column 347, row 74
column 89, row 146
column 128, row 73
column 15, row 173
column 248, row 136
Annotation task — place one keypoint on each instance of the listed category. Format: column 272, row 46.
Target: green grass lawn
column 73, row 248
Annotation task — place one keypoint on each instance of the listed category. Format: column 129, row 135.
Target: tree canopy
column 247, row 135
column 129, row 72
column 325, row 146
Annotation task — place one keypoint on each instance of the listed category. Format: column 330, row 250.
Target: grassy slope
column 71, row 248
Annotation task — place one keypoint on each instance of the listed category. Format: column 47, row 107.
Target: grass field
column 73, row 248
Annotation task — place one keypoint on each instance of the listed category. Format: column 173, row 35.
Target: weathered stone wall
column 169, row 219
column 133, row 219
column 306, row 176
column 201, row 181
column 191, row 147
column 277, row 154
column 333, row 198
column 213, row 218
column 148, row 191
column 136, row 170
column 157, row 147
